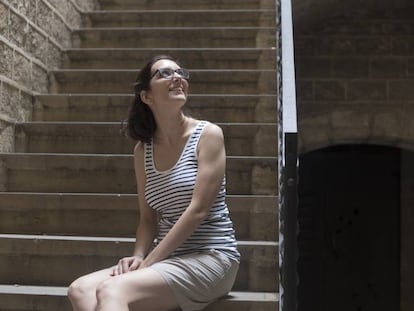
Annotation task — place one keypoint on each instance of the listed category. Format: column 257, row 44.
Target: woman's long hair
column 141, row 123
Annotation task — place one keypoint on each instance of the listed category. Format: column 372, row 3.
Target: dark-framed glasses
column 168, row 73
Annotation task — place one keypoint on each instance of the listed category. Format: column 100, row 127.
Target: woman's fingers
column 126, row 264
column 135, row 264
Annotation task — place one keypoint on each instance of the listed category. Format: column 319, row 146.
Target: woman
column 179, row 167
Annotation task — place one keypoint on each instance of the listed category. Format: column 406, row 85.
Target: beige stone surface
column 33, row 34
column 6, row 139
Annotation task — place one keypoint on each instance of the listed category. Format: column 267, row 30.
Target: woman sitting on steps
column 180, row 172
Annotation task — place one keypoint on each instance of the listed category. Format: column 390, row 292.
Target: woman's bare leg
column 140, row 290
column 82, row 292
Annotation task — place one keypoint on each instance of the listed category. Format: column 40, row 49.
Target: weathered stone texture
column 315, row 67
column 34, row 26
column 9, row 110
column 350, row 67
column 38, row 46
column 304, row 90
column 369, row 48
column 22, row 70
column 401, row 89
column 388, row 67
column 328, row 90
column 50, row 22
column 86, row 5
column 26, row 103
column 4, row 17
column 39, row 79
column 402, row 46
column 360, row 58
column 373, row 45
column 387, row 124
column 9, row 96
column 18, row 30
column 68, row 11
column 7, row 142
column 409, row 127
column 367, row 90
column 6, row 59
column 24, row 7
column 33, row 34
column 53, row 55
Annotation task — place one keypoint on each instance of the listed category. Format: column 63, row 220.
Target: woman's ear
column 145, row 97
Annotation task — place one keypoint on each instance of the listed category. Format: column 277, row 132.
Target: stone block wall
column 33, row 35
column 355, row 84
column 355, row 78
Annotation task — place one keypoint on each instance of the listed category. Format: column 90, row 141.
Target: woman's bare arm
column 147, row 225
column 211, row 169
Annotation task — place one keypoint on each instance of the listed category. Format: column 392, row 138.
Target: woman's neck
column 171, row 130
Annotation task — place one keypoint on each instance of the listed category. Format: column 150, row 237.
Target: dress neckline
column 181, row 154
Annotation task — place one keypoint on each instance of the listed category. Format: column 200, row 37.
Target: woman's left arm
column 211, row 170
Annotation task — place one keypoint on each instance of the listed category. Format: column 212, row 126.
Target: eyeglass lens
column 168, row 73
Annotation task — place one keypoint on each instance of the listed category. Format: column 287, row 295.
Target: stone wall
column 355, row 78
column 33, row 35
column 355, row 84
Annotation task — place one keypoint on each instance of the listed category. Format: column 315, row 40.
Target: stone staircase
column 67, row 205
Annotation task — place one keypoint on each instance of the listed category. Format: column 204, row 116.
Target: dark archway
column 349, row 219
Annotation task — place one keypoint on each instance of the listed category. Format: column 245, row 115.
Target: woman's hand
column 127, row 264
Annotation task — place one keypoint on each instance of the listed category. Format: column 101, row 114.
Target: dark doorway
column 349, row 207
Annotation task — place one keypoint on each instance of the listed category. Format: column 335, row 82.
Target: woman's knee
column 75, row 291
column 80, row 289
column 108, row 290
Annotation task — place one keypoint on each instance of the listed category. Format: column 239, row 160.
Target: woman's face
column 174, row 88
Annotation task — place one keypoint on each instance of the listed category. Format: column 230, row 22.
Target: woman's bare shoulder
column 139, row 149
column 213, row 132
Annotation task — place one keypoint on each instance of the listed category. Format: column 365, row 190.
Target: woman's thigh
column 92, row 280
column 143, row 289
column 82, row 291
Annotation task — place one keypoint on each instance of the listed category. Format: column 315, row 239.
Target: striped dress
column 170, row 192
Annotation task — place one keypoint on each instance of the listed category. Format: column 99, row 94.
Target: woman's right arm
column 148, row 220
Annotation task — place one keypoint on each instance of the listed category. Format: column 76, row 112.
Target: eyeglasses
column 168, row 73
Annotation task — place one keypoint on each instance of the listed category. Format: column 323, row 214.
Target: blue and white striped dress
column 170, row 192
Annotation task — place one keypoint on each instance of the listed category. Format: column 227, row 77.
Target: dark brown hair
column 141, row 123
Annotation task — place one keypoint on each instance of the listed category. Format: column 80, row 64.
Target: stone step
column 22, row 172
column 58, row 260
column 128, row 58
column 241, row 139
column 254, row 217
column 175, row 37
column 185, row 4
column 50, row 298
column 114, row 107
column 180, row 18
column 241, row 81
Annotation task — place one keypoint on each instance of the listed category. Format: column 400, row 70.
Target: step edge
column 17, row 289
column 108, row 155
column 40, row 95
column 240, row 196
column 78, row 238
column 171, row 49
column 113, row 123
column 134, row 11
column 123, row 70
column 100, row 29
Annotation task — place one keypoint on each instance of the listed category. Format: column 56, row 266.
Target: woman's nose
column 177, row 76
